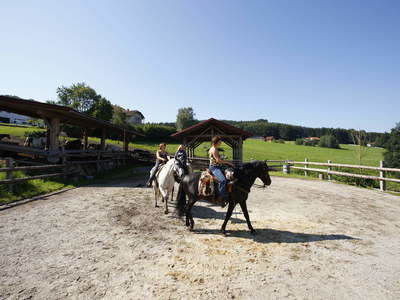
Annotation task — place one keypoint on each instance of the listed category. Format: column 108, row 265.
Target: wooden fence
column 288, row 165
column 68, row 159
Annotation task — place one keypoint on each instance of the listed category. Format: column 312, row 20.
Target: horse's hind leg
column 155, row 196
column 228, row 215
column 166, row 204
column 189, row 217
column 243, row 206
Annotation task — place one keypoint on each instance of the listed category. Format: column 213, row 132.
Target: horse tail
column 181, row 200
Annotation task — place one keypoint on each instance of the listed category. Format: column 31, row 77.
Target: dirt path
column 316, row 240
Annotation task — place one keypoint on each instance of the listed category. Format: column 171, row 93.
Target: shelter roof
column 36, row 109
column 200, row 127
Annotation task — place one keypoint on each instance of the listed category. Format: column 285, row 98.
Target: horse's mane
column 244, row 169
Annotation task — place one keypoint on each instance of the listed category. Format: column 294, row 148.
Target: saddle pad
column 206, row 184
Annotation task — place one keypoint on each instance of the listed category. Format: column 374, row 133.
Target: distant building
column 7, row 117
column 315, row 138
column 134, row 116
column 269, row 139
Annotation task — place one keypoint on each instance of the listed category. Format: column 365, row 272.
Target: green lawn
column 260, row 150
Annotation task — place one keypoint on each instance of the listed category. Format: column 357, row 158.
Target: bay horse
column 163, row 183
column 245, row 175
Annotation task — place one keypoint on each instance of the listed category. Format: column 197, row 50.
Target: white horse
column 163, row 184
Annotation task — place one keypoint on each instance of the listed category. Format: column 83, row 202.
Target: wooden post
column 85, row 139
column 382, row 183
column 321, row 176
column 286, row 169
column 98, row 161
column 10, row 174
column 329, row 169
column 305, row 166
column 64, row 162
column 126, row 142
column 103, row 140
column 54, row 132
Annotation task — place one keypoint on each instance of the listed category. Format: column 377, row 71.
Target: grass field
column 260, row 150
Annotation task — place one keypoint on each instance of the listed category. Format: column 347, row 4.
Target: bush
column 392, row 154
column 305, row 142
column 328, row 141
column 299, row 141
column 35, row 134
column 155, row 132
column 280, row 141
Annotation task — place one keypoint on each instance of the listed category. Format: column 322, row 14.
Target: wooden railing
column 67, row 158
column 288, row 165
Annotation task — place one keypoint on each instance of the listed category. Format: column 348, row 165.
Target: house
column 134, row 116
column 269, row 139
column 8, row 117
column 315, row 138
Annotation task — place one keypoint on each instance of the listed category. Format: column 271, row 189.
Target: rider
column 181, row 161
column 161, row 158
column 216, row 164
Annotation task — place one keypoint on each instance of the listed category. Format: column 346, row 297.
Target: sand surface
column 315, row 240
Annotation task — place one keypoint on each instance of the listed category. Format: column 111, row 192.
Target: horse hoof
column 253, row 232
column 156, row 205
column 166, row 212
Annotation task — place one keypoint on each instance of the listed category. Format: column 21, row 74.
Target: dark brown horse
column 246, row 176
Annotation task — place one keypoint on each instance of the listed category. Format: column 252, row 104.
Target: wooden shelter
column 55, row 115
column 204, row 131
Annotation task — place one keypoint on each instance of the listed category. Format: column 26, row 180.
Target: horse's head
column 262, row 172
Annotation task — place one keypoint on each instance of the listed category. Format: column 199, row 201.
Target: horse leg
column 228, row 215
column 189, row 217
column 243, row 206
column 166, row 204
column 155, row 196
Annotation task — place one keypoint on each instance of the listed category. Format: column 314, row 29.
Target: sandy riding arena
column 315, row 240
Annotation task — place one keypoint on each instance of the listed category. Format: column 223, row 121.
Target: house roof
column 134, row 112
column 201, row 126
column 36, row 109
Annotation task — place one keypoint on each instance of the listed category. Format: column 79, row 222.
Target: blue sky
column 313, row 63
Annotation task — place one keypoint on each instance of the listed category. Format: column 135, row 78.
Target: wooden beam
column 103, row 140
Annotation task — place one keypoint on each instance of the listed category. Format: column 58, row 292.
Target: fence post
column 305, row 166
column 286, row 169
column 98, row 161
column 329, row 168
column 64, row 162
column 10, row 174
column 382, row 183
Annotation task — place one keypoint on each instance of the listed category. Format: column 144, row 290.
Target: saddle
column 208, row 183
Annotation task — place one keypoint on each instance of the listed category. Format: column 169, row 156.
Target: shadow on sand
column 206, row 212
column 266, row 236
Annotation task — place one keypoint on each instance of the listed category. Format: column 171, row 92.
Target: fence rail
column 68, row 159
column 381, row 178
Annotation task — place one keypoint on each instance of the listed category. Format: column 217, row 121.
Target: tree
column 119, row 116
column 185, row 118
column 328, row 141
column 392, row 154
column 85, row 100
column 360, row 139
column 102, row 110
